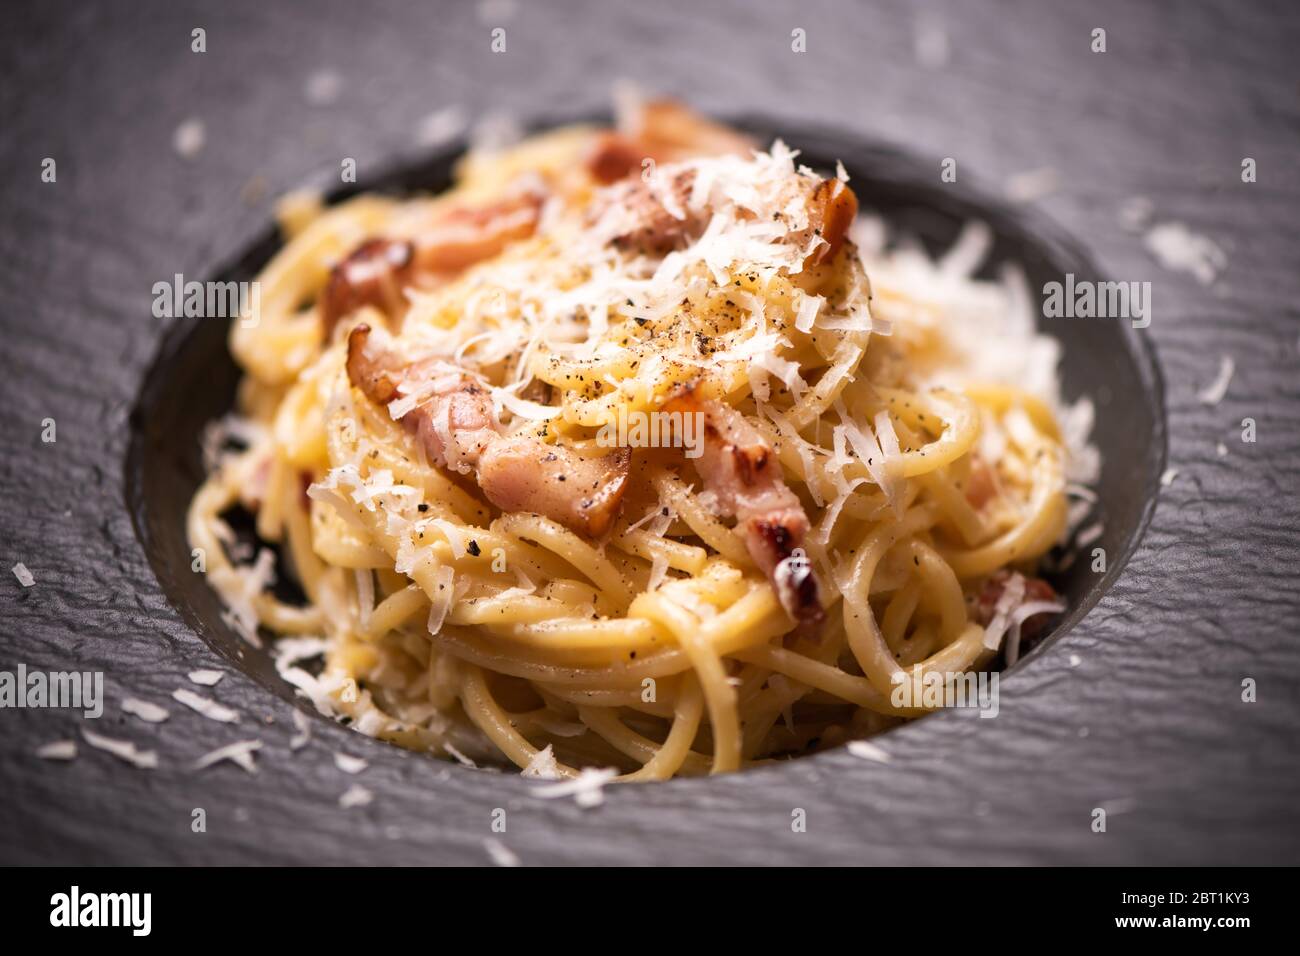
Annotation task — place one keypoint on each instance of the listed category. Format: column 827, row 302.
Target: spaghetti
column 424, row 437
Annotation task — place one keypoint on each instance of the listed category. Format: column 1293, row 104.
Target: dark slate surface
column 1137, row 708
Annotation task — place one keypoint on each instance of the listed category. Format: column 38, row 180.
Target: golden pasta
column 810, row 498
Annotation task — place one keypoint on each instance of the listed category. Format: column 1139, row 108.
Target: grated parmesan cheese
column 240, row 586
column 586, row 788
column 150, row 713
column 441, row 126
column 303, row 736
column 452, row 533
column 239, row 753
column 323, row 87
column 1178, row 248
column 349, row 764
column 58, row 750
column 204, row 706
column 869, row 751
column 441, row 602
column 1023, row 613
column 1010, row 598
column 1213, row 393
column 123, row 750
column 189, row 137
column 1088, row 535
column 459, row 757
column 356, row 796
column 500, row 853
column 867, row 447
column 543, row 765
column 1033, row 185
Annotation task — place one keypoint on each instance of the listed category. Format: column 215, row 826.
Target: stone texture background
column 1184, row 92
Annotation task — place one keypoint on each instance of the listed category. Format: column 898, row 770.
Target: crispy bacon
column 372, row 274
column 831, row 211
column 372, row 368
column 642, row 220
column 742, row 472
column 465, row 235
column 456, row 425
column 1036, row 589
column 652, row 215
column 583, row 494
column 665, row 131
column 611, row 156
column 675, row 131
column 378, row 271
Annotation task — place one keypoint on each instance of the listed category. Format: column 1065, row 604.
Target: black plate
column 1104, row 359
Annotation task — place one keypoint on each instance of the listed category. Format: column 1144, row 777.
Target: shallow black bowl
column 1103, row 359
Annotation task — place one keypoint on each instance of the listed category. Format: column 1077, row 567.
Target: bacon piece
column 831, row 212
column 741, row 470
column 583, row 494
column 981, row 483
column 465, row 235
column 372, row 368
column 611, row 156
column 664, row 131
column 641, row 218
column 456, row 425
column 372, row 274
column 1036, row 589
column 652, row 216
column 454, row 422
column 377, row 271
column 676, row 131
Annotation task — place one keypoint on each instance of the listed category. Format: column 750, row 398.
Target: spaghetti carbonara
column 637, row 448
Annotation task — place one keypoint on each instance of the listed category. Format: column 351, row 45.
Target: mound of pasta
column 610, row 456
